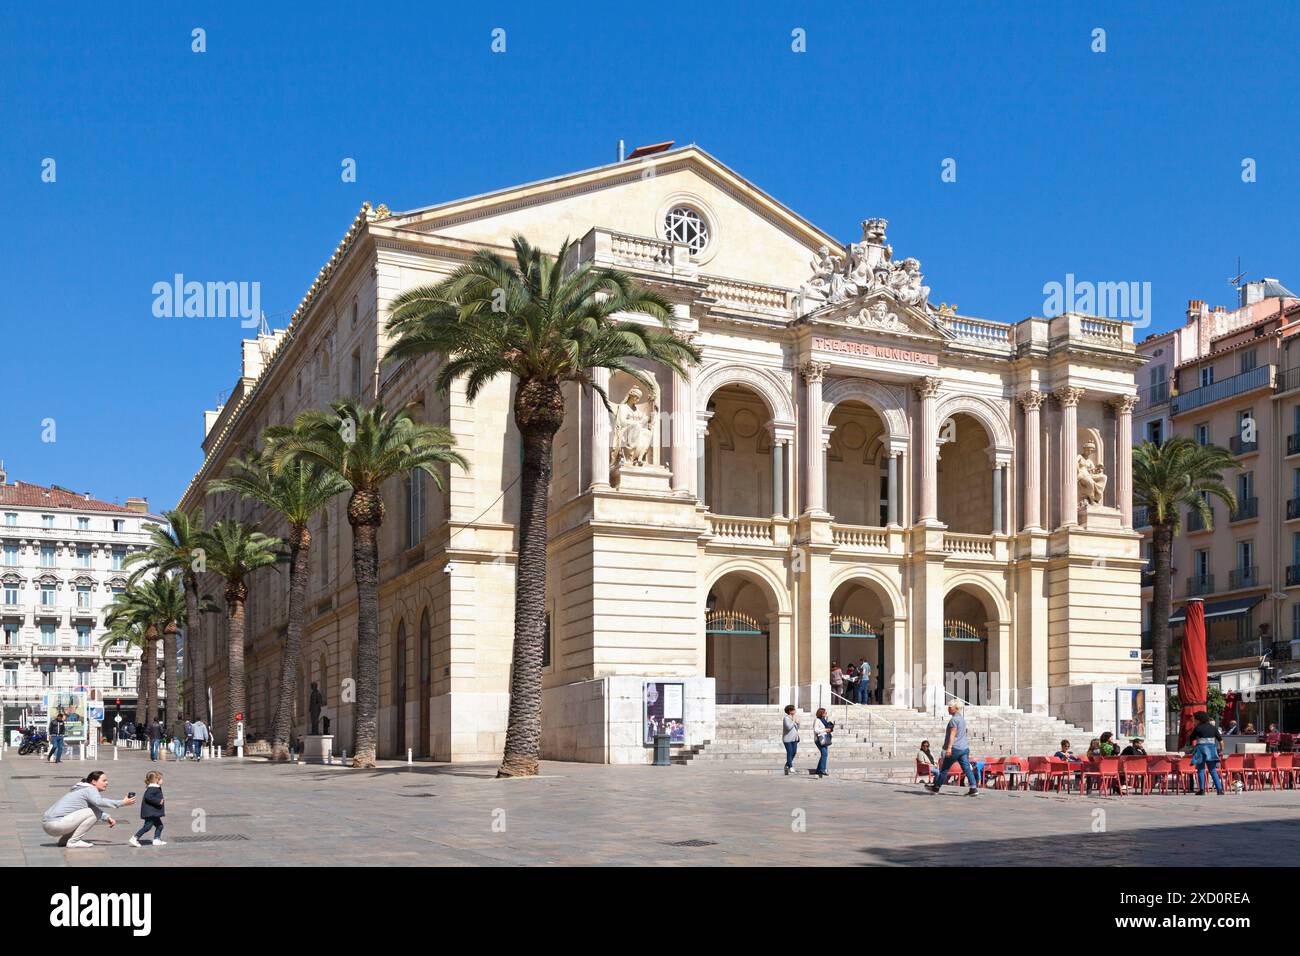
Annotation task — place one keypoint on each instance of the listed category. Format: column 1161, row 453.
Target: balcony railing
column 1153, row 396
column 1292, row 575
column 1140, row 519
column 1293, row 444
column 1288, row 379
column 1243, row 577
column 1239, row 447
column 1195, row 522
column 1199, row 584
column 1246, row 508
column 1292, row 509
column 1236, row 385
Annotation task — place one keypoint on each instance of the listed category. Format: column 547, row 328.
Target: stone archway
column 741, row 618
column 977, row 658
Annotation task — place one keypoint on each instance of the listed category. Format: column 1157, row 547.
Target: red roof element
column 27, row 495
column 648, row 150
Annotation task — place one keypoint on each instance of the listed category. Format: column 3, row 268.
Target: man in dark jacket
column 155, row 738
column 58, row 727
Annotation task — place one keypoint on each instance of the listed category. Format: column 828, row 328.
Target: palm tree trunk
column 1162, row 539
column 299, row 565
column 365, row 566
column 236, row 695
column 523, row 748
column 195, row 664
column 171, row 685
column 150, row 674
column 140, row 702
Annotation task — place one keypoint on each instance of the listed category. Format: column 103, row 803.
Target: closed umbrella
column 1191, row 672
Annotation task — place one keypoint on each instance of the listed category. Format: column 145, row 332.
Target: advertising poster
column 73, row 705
column 665, row 712
column 1131, row 712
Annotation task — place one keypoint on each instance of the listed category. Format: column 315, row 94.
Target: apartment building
column 62, row 558
column 1232, row 378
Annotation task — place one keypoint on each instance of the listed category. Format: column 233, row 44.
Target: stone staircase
column 752, row 734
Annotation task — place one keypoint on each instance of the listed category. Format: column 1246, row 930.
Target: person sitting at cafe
column 1108, row 748
column 1249, row 730
column 1094, row 749
column 926, row 758
column 1134, row 749
column 1065, row 753
column 1231, row 729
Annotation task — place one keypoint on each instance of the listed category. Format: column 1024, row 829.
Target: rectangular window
column 1295, row 622
column 1245, row 554
column 415, row 508
column 1156, row 374
column 11, row 554
column 1156, row 431
column 11, row 635
column 1249, row 359
column 119, row 524
column 11, row 594
column 83, row 635
column 1202, row 563
column 117, row 559
column 47, row 521
column 83, row 557
column 1246, row 424
column 47, row 556
column 11, row 673
column 47, row 675
column 1245, row 487
column 47, row 635
column 11, row 517
column 83, row 675
column 119, row 675
column 356, row 373
column 83, row 597
column 47, row 595
column 1203, row 434
column 1207, row 375
column 83, row 524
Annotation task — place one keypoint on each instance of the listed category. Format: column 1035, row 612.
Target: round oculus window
column 683, row 224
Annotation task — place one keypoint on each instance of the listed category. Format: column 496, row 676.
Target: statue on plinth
column 1091, row 476
column 317, row 701
column 634, row 435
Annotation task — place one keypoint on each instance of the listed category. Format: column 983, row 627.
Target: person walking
column 956, row 749
column 155, row 733
column 864, row 681
column 151, row 810
column 71, row 817
column 1207, row 739
column 189, row 739
column 789, row 737
column 837, row 681
column 58, row 727
column 822, row 731
column 200, row 737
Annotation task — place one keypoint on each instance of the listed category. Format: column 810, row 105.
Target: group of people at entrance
column 853, row 685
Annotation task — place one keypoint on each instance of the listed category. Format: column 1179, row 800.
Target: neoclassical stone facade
column 851, row 472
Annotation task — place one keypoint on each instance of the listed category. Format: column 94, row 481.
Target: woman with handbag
column 822, row 730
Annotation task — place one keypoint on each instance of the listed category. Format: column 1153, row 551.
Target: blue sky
column 1115, row 166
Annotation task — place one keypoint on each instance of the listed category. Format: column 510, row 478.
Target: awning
column 1234, row 608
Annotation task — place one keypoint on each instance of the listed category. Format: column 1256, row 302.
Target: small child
column 151, row 809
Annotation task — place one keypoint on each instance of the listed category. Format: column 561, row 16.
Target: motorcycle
column 34, row 741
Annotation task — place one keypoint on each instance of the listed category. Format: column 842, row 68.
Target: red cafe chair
column 1040, row 772
column 1257, row 766
column 1285, row 769
column 1132, row 773
column 1232, row 768
column 1016, row 770
column 923, row 774
column 992, row 771
column 1160, row 771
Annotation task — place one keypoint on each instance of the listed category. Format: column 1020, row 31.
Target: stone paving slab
column 585, row 814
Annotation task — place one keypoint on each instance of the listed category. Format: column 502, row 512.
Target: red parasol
column 1191, row 674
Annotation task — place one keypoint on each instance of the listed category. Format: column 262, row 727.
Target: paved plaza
column 249, row 812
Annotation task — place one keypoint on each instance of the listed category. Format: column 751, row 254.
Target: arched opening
column 738, row 457
column 857, row 477
column 965, row 473
column 970, row 667
column 857, row 634
column 738, row 644
column 399, row 691
column 426, row 684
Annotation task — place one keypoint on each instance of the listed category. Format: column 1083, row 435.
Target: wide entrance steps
column 752, row 733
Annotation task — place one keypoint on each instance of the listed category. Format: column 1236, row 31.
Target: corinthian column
column 599, row 431
column 814, row 459
column 1031, row 402
column 1123, row 405
column 1069, row 397
column 682, row 454
column 927, row 389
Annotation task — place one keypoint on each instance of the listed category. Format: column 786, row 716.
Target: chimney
column 140, row 505
column 1194, row 309
column 4, row 476
column 620, row 151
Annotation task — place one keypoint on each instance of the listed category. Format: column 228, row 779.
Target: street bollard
column 81, row 752
column 114, row 751
column 662, row 742
column 408, row 756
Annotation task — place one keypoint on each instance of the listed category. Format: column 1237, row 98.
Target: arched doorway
column 738, row 644
column 857, row 633
column 740, row 465
column 426, row 684
column 857, row 477
column 971, row 669
column 965, row 476
column 399, row 692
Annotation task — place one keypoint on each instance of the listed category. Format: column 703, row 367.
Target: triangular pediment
column 880, row 311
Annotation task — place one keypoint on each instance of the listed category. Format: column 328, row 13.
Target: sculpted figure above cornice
column 870, row 268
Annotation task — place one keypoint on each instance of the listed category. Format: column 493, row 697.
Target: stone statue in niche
column 634, row 430
column 1091, row 476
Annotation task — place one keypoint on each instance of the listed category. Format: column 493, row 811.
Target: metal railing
column 1260, row 377
column 1195, row 522
column 1200, row 584
column 1292, row 509
column 1140, row 519
column 1239, row 446
column 1288, row 379
column 1293, row 443
column 1292, row 575
column 1246, row 508
column 1243, row 577
column 1153, row 395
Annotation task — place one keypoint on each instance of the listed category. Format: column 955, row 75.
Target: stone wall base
column 600, row 721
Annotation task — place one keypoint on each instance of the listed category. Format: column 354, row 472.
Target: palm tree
column 234, row 551
column 366, row 446
column 173, row 549
column 155, row 606
column 124, row 628
column 545, row 325
column 1168, row 477
column 296, row 492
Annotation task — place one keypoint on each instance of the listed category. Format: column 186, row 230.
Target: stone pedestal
column 1100, row 518
column 316, row 748
column 642, row 479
